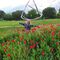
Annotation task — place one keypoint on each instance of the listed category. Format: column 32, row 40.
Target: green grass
column 38, row 44
column 14, row 25
column 37, row 22
column 20, row 42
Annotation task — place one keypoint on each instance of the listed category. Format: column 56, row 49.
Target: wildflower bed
column 41, row 43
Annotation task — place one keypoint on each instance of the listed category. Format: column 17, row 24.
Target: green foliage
column 49, row 12
column 8, row 17
column 2, row 13
column 32, row 14
column 59, row 10
column 35, row 44
column 17, row 15
column 58, row 14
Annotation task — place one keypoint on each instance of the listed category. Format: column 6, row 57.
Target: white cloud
column 41, row 4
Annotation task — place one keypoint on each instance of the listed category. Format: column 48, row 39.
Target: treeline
column 47, row 13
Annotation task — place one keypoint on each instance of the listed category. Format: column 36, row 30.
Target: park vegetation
column 47, row 13
column 40, row 43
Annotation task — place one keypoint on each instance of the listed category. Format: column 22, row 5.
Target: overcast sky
column 8, row 5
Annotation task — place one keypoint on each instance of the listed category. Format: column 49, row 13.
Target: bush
column 8, row 17
column 49, row 12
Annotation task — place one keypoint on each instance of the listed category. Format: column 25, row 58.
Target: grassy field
column 40, row 43
column 11, row 26
column 37, row 22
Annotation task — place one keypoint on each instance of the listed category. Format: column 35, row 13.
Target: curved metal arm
column 35, row 6
column 30, row 7
column 22, row 16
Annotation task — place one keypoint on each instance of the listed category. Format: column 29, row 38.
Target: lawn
column 37, row 22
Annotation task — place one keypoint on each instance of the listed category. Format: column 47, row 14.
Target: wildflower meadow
column 40, row 43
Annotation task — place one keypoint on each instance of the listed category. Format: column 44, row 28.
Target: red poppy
column 58, row 24
column 3, row 44
column 31, row 47
column 53, row 33
column 13, row 40
column 25, row 42
column 38, row 27
column 43, row 53
column 8, row 55
column 33, row 30
column 4, row 50
column 21, row 38
column 57, row 43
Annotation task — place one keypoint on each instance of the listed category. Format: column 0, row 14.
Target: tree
column 59, row 10
column 8, row 17
column 2, row 13
column 32, row 14
column 58, row 14
column 49, row 12
column 17, row 15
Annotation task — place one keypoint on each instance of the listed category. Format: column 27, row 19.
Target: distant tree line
column 47, row 13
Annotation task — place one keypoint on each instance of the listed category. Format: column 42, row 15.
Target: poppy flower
column 25, row 42
column 3, row 44
column 43, row 53
column 33, row 31
column 31, row 47
column 57, row 43
column 58, row 24
column 38, row 27
column 8, row 55
column 53, row 33
column 4, row 50
column 21, row 38
column 13, row 40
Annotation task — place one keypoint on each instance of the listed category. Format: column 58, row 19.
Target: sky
column 12, row 5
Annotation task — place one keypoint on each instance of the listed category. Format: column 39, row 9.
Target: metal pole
column 36, row 6
column 30, row 7
column 24, row 9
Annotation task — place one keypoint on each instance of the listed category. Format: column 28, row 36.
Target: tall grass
column 41, row 43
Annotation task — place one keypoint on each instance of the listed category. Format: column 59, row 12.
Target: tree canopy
column 49, row 12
